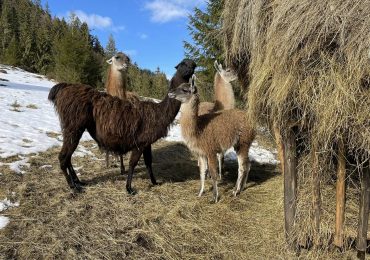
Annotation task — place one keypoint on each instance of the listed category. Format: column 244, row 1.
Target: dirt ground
column 167, row 221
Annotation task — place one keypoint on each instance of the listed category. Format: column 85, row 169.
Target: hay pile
column 306, row 63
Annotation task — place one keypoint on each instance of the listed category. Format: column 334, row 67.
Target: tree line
column 32, row 39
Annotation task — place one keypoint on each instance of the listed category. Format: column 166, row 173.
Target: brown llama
column 213, row 133
column 118, row 126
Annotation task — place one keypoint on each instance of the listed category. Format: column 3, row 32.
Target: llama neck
column 163, row 113
column 189, row 118
column 116, row 83
column 169, row 107
column 224, row 94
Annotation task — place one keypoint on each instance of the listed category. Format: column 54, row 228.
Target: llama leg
column 122, row 165
column 212, row 165
column 148, row 163
column 134, row 158
column 70, row 143
column 107, row 159
column 247, row 170
column 243, row 171
column 220, row 159
column 203, row 170
column 74, row 175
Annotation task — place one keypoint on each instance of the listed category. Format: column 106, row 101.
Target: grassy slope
column 163, row 222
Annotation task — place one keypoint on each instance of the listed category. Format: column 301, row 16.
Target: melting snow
column 4, row 205
column 3, row 221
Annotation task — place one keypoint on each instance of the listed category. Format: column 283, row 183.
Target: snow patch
column 17, row 166
column 6, row 204
column 27, row 131
column 256, row 154
column 4, row 221
column 82, row 151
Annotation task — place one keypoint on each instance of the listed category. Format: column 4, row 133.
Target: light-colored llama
column 224, row 98
column 212, row 133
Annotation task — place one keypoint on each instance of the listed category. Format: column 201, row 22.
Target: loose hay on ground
column 162, row 222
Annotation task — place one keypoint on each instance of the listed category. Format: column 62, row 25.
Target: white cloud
column 163, row 11
column 143, row 36
column 95, row 21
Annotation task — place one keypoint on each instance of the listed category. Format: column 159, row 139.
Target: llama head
column 119, row 62
column 185, row 91
column 227, row 74
column 186, row 68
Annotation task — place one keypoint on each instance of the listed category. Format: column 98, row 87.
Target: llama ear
column 217, row 66
column 110, row 61
column 193, row 88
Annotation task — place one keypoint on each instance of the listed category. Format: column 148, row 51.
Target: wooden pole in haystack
column 280, row 146
column 316, row 198
column 340, row 196
column 290, row 184
column 364, row 212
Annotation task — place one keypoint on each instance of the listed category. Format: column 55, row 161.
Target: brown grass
column 32, row 106
column 163, row 222
column 15, row 106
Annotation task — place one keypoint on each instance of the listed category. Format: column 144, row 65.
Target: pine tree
column 110, row 49
column 204, row 27
column 11, row 54
column 9, row 27
column 71, row 54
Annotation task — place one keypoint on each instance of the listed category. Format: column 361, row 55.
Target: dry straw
column 305, row 63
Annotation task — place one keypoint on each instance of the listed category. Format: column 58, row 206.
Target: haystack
column 306, row 64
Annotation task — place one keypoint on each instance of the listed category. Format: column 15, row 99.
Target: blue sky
column 150, row 31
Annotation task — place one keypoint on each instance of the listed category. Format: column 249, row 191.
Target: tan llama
column 223, row 98
column 213, row 133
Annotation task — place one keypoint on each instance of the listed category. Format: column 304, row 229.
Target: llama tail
column 55, row 90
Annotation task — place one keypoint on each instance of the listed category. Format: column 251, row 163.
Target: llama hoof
column 236, row 193
column 78, row 189
column 156, row 183
column 131, row 191
column 361, row 255
column 81, row 183
column 215, row 199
